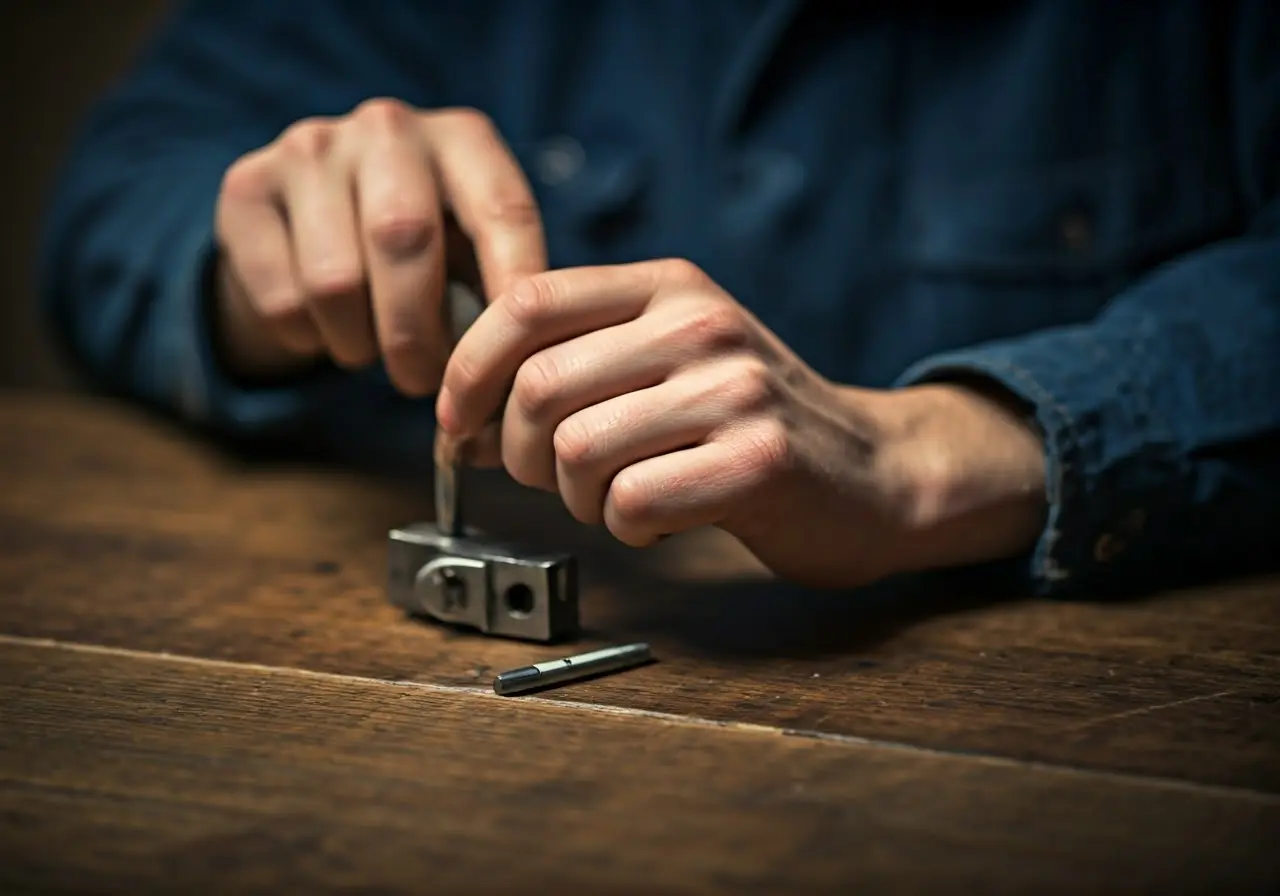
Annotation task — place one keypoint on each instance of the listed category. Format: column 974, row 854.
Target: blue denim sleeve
column 1161, row 422
column 1162, row 416
column 128, row 241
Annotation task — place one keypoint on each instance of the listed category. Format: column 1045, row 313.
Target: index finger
column 489, row 196
column 539, row 312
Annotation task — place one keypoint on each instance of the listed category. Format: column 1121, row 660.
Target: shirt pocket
column 1085, row 226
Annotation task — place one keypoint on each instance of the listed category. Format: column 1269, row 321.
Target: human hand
column 335, row 239
column 653, row 402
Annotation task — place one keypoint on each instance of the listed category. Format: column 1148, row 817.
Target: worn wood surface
column 116, row 531
column 178, row 773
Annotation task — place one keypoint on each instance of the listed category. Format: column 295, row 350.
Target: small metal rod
column 571, row 668
column 448, row 495
column 462, row 307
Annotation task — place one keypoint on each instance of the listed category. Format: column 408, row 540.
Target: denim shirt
column 1079, row 200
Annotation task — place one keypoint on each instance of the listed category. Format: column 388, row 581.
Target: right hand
column 335, row 239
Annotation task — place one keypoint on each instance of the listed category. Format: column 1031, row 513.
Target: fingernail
column 446, row 416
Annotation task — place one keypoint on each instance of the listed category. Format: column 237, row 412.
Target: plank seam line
column 1146, row 781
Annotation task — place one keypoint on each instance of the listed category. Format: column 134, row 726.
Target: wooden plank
column 132, row 773
column 114, row 531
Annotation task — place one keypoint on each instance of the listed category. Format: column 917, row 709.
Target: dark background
column 55, row 57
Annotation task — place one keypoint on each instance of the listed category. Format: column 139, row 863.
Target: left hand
column 654, row 403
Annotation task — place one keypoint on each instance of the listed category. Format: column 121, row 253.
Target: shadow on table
column 753, row 618
column 766, row 619
column 706, row 594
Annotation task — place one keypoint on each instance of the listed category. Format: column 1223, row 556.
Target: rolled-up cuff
column 1112, row 468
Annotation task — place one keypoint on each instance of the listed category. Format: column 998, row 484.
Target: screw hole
column 519, row 599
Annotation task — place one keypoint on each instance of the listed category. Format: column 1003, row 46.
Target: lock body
column 473, row 581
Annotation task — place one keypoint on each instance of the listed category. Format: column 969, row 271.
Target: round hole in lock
column 519, row 599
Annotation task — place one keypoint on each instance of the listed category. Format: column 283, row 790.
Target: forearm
column 1161, row 422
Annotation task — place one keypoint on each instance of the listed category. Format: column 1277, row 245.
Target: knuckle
column 382, row 112
column 575, row 443
column 632, row 498
column 400, row 230
column 465, row 118
column 510, row 207
column 247, row 179
column 537, row 386
column 748, row 384
column 311, row 139
column 680, row 272
column 766, row 448
column 405, row 346
column 334, row 284
column 715, row 327
column 531, row 301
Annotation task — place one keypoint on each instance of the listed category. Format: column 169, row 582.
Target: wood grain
column 135, row 773
column 116, row 531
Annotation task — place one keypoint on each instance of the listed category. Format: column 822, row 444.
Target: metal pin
column 462, row 307
column 448, row 499
column 571, row 668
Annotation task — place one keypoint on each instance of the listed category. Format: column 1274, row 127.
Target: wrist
column 964, row 465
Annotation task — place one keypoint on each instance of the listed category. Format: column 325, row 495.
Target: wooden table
column 202, row 687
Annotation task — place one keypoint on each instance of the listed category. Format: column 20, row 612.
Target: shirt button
column 1111, row 545
column 1076, row 230
column 559, row 160
column 1107, row 548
